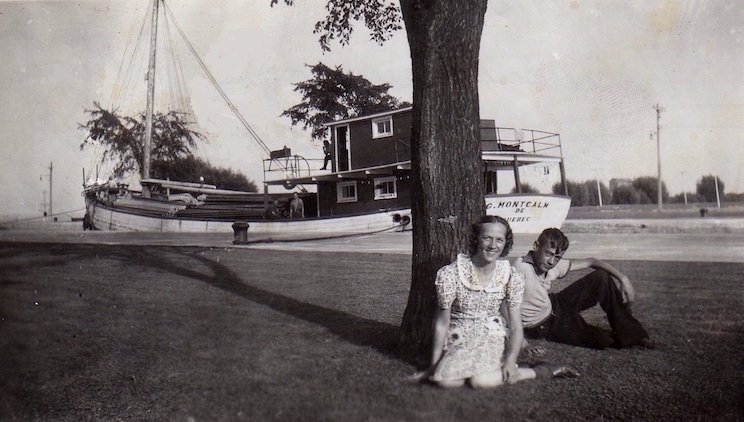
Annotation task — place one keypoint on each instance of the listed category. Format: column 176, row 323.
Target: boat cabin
column 371, row 163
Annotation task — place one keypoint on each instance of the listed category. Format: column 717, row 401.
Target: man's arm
column 626, row 288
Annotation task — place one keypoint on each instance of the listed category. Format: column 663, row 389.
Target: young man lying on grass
column 556, row 316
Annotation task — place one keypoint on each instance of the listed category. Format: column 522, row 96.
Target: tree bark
column 444, row 38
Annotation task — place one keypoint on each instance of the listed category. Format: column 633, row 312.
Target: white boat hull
column 529, row 213
column 111, row 219
column 525, row 213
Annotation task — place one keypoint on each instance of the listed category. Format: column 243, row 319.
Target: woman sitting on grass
column 469, row 332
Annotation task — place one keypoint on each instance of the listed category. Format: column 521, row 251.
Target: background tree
column 526, row 188
column 444, row 39
column 649, row 185
column 734, row 197
column 691, row 198
column 122, row 138
column 192, row 169
column 173, row 142
column 584, row 193
column 332, row 94
column 627, row 194
column 706, row 187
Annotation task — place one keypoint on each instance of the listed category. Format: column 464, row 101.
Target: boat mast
column 150, row 98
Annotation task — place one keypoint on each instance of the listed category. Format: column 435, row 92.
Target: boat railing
column 282, row 164
column 526, row 140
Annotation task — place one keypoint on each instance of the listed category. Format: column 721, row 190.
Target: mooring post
column 240, row 229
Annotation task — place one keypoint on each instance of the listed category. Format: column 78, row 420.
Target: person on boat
column 296, row 207
column 327, row 154
column 274, row 210
column 556, row 316
column 469, row 331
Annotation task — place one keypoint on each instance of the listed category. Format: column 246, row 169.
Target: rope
column 326, row 237
column 217, row 86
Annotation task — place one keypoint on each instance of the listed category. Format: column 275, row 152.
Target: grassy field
column 104, row 332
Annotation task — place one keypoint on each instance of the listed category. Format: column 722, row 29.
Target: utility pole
column 51, row 210
column 658, row 150
column 43, row 203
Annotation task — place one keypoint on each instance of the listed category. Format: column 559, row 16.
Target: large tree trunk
column 444, row 38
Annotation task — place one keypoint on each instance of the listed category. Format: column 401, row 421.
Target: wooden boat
column 359, row 194
column 366, row 189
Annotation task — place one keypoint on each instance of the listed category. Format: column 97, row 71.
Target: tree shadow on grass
column 380, row 336
column 366, row 332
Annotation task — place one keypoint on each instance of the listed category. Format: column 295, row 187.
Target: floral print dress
column 475, row 338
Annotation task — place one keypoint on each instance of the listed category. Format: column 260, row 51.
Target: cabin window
column 382, row 127
column 346, row 192
column 385, row 188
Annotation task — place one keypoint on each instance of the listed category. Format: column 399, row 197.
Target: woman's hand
column 421, row 376
column 510, row 372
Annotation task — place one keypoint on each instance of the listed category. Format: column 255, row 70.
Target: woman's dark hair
column 477, row 228
column 554, row 238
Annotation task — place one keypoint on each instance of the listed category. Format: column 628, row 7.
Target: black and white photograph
column 371, row 210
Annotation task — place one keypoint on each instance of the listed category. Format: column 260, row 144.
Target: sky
column 590, row 70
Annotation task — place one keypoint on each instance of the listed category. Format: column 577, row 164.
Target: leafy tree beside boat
column 332, row 94
column 173, row 143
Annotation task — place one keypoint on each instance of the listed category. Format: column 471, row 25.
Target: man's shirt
column 536, row 306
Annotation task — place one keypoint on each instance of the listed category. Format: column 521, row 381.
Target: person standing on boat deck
column 556, row 316
column 327, row 154
column 469, row 331
column 296, row 207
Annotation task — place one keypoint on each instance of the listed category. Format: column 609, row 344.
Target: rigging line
column 222, row 93
column 125, row 81
column 211, row 78
column 115, row 89
column 120, row 90
column 169, row 64
column 181, row 88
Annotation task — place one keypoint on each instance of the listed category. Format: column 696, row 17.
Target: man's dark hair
column 554, row 238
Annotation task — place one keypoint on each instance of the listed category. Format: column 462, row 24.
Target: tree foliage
column 649, row 185
column 627, row 194
column 173, row 142
column 122, row 138
column 381, row 19
column 584, row 193
column 526, row 188
column 192, row 169
column 691, row 198
column 706, row 187
column 332, row 94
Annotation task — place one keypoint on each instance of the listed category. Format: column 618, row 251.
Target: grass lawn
column 105, row 332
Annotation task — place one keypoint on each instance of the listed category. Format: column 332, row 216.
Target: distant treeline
column 642, row 190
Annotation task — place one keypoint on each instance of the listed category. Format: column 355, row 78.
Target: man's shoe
column 565, row 371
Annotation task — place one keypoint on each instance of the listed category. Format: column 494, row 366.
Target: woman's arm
column 441, row 325
column 510, row 371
